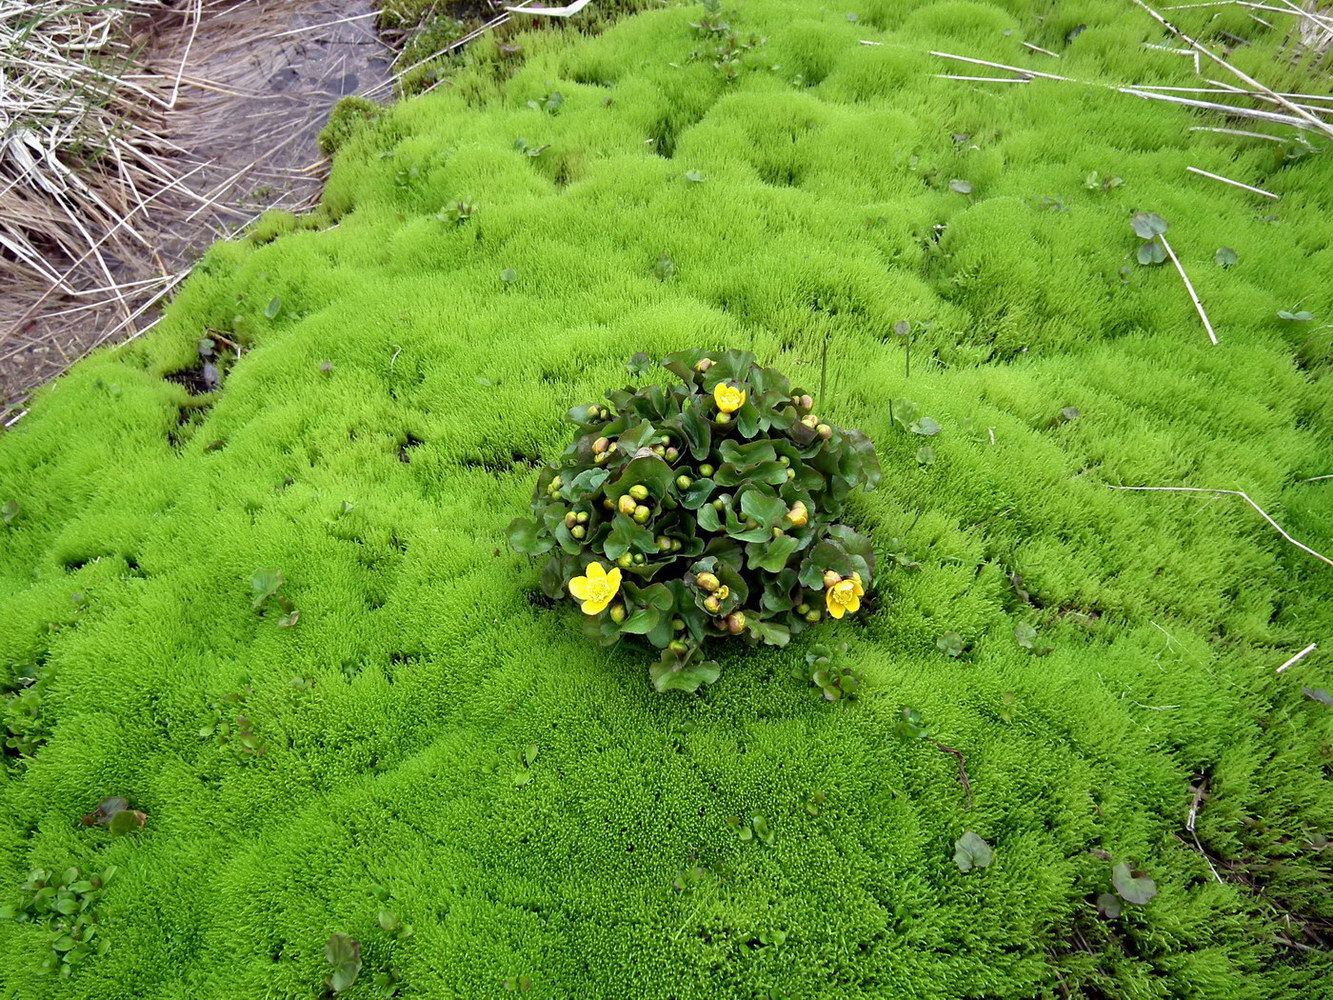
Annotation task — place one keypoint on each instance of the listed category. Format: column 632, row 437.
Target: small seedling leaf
column 273, row 308
column 926, row 427
column 1148, row 224
column 1151, row 253
column 1225, row 257
column 970, row 851
column 344, row 954
column 1319, row 695
column 126, row 821
column 960, row 186
column 1109, row 906
column 950, row 643
column 508, row 275
column 9, row 510
column 1132, row 889
column 694, row 176
column 1303, row 316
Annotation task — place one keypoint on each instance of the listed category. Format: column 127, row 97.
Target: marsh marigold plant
column 702, row 511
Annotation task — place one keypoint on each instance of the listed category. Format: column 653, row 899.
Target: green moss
column 348, row 116
column 380, row 484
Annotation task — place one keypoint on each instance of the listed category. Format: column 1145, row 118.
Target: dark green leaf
column 1151, row 253
column 344, row 954
column 765, row 508
column 1109, row 905
column 672, row 677
column 768, row 631
column 772, row 557
column 524, row 538
column 1133, row 889
column 125, row 822
column 639, row 364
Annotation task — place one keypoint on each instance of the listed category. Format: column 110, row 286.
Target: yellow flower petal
column 579, row 589
column 595, row 607
column 595, row 569
column 613, row 581
column 729, row 398
column 857, row 589
column 834, row 608
column 854, row 605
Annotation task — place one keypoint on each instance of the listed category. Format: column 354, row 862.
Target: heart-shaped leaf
column 1137, row 889
column 970, row 851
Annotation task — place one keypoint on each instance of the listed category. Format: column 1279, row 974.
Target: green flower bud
column 600, row 459
column 659, row 451
column 784, row 461
column 810, row 420
column 677, row 625
column 824, row 431
column 722, row 592
column 684, row 482
column 600, row 445
column 627, row 504
column 617, row 613
column 719, row 505
column 608, row 503
column 664, row 439
column 613, row 446
column 802, row 609
column 581, row 517
column 813, row 615
column 807, row 403
column 571, row 519
column 791, row 474
column 723, row 418
column 578, row 531
column 708, row 582
column 639, row 491
column 639, row 559
column 831, row 578
column 678, row 647
column 706, row 470
column 703, row 364
column 672, row 454
column 778, row 532
column 625, row 561
column 642, row 513
column 676, row 545
column 712, row 605
column 663, row 543
column 736, row 622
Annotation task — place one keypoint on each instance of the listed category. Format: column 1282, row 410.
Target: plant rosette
column 702, row 512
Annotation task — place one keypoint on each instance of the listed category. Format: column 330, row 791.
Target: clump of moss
column 349, row 115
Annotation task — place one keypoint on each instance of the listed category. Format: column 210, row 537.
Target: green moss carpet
column 434, row 741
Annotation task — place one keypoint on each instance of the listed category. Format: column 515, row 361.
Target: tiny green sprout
column 951, row 644
column 457, row 213
column 1225, row 257
column 273, row 308
column 970, row 851
column 1295, row 316
column 550, row 103
column 813, row 804
column 524, row 147
column 344, row 954
column 664, row 268
column 1026, row 636
column 638, row 366
column 960, row 186
column 517, row 984
column 925, row 456
column 694, row 176
column 1133, row 887
column 508, row 275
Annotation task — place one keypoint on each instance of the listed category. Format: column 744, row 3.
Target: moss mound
column 427, row 737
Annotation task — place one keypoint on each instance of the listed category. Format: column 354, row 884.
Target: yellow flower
column 729, row 398
column 844, row 596
column 596, row 589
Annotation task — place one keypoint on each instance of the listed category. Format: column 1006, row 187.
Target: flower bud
column 663, row 543
column 706, row 470
column 608, row 503
column 784, row 461
column 723, row 418
column 676, row 545
column 791, row 474
column 722, row 592
column 613, row 446
column 600, row 459
column 707, row 581
column 672, row 454
column 802, row 609
column 664, row 439
column 639, row 491
column 581, row 517
column 642, row 513
column 600, row 445
column 830, row 578
column 659, row 451
column 799, row 515
column 703, row 364
column 712, row 605
column 617, row 613
column 625, row 561
column 813, row 615
column 677, row 625
column 684, row 482
column 578, row 531
column 807, row 402
column 571, row 519
column 719, row 505
column 736, row 622
column 678, row 647
column 627, row 504
column 778, row 532
column 639, row 559
column 824, row 431
column 810, row 420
